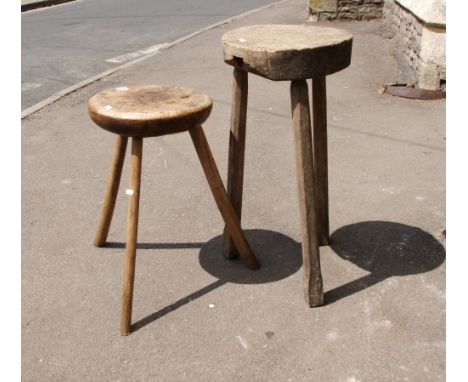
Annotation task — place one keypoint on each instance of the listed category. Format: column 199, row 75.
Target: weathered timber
column 235, row 179
column 319, row 108
column 313, row 285
column 149, row 110
column 288, row 52
column 112, row 190
column 222, row 200
column 132, row 234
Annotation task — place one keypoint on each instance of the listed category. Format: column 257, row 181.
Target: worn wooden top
column 288, row 52
column 149, row 110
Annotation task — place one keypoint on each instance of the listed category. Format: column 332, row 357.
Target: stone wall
column 345, row 9
column 418, row 29
column 406, row 30
column 360, row 9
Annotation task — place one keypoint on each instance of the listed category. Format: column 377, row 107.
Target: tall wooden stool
column 289, row 53
column 150, row 111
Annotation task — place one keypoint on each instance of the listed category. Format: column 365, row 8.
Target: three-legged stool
column 150, row 111
column 289, row 53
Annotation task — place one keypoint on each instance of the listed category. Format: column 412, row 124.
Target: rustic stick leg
column 222, row 200
column 319, row 108
column 111, row 191
column 132, row 230
column 235, row 179
column 305, row 177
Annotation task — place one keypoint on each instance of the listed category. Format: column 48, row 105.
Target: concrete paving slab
column 199, row 317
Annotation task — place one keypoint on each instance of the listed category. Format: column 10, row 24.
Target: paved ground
column 384, row 274
column 65, row 44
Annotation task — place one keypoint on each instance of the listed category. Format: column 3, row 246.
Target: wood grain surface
column 235, row 178
column 221, row 198
column 288, row 52
column 313, row 285
column 319, row 107
column 112, row 190
column 149, row 110
column 132, row 235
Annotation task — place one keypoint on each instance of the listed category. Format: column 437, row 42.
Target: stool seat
column 288, row 52
column 149, row 110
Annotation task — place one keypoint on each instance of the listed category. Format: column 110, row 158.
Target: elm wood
column 313, row 285
column 235, row 180
column 319, row 108
column 149, row 110
column 112, row 190
column 132, row 233
column 221, row 197
column 288, row 52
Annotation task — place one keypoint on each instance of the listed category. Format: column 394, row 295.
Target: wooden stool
column 289, row 53
column 151, row 111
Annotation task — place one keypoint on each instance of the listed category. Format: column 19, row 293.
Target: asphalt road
column 65, row 44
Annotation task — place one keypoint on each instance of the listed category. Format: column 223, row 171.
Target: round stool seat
column 288, row 52
column 149, row 110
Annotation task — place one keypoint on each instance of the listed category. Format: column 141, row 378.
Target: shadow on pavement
column 385, row 249
column 114, row 244
column 279, row 255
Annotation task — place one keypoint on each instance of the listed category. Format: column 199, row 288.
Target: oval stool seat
column 288, row 52
column 149, row 110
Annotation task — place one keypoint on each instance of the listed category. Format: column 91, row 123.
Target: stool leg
column 111, row 191
column 132, row 231
column 235, row 180
column 307, row 204
column 222, row 200
column 319, row 109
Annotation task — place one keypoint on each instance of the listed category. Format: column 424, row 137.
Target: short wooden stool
column 150, row 111
column 289, row 53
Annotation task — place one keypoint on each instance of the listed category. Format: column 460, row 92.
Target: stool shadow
column 279, row 255
column 115, row 244
column 385, row 249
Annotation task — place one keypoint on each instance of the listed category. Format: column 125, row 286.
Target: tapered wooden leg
column 132, row 230
column 111, row 191
column 313, row 284
column 222, row 200
column 319, row 109
column 235, row 180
